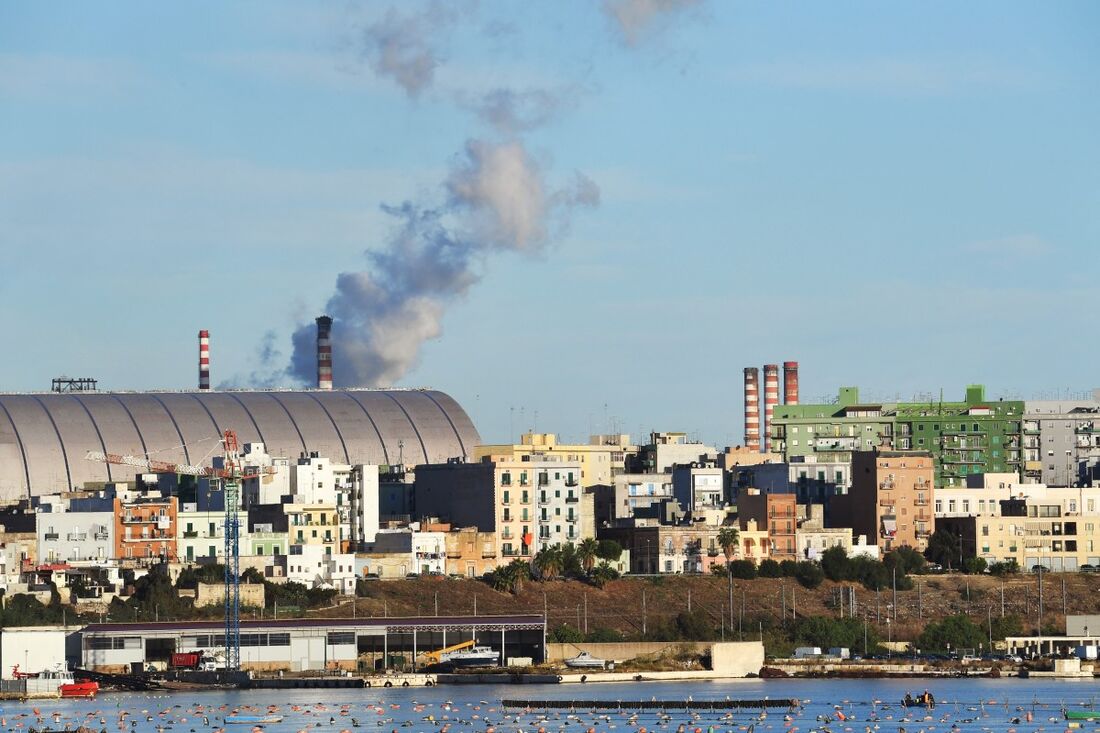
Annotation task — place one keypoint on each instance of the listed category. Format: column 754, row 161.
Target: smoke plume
column 404, row 46
column 512, row 112
column 633, row 18
column 496, row 199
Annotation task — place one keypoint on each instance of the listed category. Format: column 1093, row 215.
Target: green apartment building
column 969, row 437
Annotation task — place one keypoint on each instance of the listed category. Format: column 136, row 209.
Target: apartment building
column 145, row 529
column 699, row 486
column 776, row 515
column 600, row 460
column 891, row 498
column 634, row 491
column 1062, row 441
column 659, row 548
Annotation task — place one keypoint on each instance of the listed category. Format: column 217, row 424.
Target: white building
column 635, row 491
column 313, row 566
column 558, row 495
column 76, row 536
column 699, row 486
column 364, row 504
column 426, row 551
column 202, row 534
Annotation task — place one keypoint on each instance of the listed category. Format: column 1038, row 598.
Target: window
column 507, row 498
column 340, row 637
column 506, row 479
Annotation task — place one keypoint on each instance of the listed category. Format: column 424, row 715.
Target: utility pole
column 920, row 602
column 729, row 575
column 643, row 613
column 689, row 600
column 989, row 621
column 1039, row 630
column 437, row 603
column 1002, row 599
column 895, row 592
column 1063, row 595
column 782, row 601
column 741, row 618
column 586, row 613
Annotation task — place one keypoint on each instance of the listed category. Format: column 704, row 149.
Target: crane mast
column 230, row 475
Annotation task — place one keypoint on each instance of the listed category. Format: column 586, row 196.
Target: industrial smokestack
column 790, row 383
column 204, row 359
column 752, row 408
column 324, row 352
column 771, row 399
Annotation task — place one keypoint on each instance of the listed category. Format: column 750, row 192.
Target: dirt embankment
column 631, row 605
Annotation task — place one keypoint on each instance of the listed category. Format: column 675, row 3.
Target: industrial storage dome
column 44, row 437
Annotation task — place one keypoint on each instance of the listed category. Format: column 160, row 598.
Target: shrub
column 1003, row 568
column 958, row 631
column 769, row 569
column 565, row 634
column 788, row 568
column 742, row 569
column 809, row 574
column 974, row 565
column 604, row 635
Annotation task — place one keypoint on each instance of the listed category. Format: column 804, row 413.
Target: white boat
column 584, row 660
column 478, row 656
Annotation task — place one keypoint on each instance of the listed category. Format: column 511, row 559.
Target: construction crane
column 230, row 474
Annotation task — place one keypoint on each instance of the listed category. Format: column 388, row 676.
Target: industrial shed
column 300, row 645
column 44, row 437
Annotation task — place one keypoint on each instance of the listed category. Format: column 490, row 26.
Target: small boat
column 917, row 702
column 252, row 719
column 584, row 660
column 61, row 680
column 478, row 656
column 1082, row 714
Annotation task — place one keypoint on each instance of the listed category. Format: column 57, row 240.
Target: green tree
column 694, row 626
column 1004, row 567
column 809, row 574
column 769, row 569
column 548, row 562
column 834, row 563
column 587, row 552
column 944, row 549
column 729, row 540
column 788, row 568
column 974, row 565
column 957, row 631
column 602, row 574
column 742, row 569
column 906, row 560
column 828, row 632
column 609, row 550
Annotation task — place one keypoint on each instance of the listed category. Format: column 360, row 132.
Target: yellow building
column 600, row 461
column 1053, row 528
column 313, row 524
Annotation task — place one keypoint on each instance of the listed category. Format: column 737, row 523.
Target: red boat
column 84, row 688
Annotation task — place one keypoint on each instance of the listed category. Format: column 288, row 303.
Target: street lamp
column 889, row 638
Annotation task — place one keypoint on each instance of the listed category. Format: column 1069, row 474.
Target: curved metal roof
column 43, row 437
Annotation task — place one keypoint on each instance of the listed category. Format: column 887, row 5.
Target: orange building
column 145, row 530
column 891, row 498
column 776, row 514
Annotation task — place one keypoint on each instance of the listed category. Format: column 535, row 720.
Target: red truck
column 195, row 660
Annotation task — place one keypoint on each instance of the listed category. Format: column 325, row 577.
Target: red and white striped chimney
column 752, row 408
column 324, row 352
column 771, row 399
column 790, row 383
column 204, row 359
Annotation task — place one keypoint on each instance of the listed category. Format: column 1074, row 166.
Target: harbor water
column 826, row 706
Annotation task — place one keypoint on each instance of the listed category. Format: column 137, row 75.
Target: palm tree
column 518, row 572
column 548, row 562
column 586, row 551
column 729, row 539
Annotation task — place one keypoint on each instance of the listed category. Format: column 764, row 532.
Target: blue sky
column 901, row 196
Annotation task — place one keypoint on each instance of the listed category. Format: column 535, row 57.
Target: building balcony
column 572, row 499
column 572, row 484
column 51, row 536
column 76, row 537
column 101, row 536
column 886, row 502
column 190, row 534
column 886, row 485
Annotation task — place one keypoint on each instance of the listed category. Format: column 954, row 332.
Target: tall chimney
column 790, row 383
column 752, row 408
column 771, row 399
column 324, row 352
column 204, row 360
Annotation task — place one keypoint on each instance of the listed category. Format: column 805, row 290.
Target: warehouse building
column 301, row 645
column 44, row 437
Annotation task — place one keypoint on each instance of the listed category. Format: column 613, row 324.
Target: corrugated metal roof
column 43, row 437
column 529, row 620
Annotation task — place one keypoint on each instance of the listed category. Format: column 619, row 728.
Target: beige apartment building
column 1057, row 528
column 891, row 498
column 603, row 458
